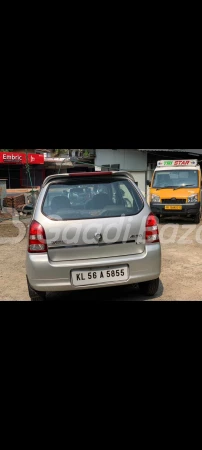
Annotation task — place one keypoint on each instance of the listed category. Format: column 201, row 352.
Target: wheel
column 197, row 218
column 36, row 296
column 149, row 287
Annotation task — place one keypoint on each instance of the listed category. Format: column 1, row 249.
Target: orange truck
column 176, row 189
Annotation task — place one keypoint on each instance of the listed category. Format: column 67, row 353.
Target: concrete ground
column 180, row 278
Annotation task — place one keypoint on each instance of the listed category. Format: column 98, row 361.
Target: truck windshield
column 175, row 179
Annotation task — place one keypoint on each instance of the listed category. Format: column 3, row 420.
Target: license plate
column 173, row 207
column 98, row 276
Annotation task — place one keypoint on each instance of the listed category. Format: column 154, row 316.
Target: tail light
column 37, row 238
column 152, row 232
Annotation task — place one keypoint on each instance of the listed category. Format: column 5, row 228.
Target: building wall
column 130, row 160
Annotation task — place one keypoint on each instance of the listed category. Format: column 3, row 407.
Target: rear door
column 109, row 224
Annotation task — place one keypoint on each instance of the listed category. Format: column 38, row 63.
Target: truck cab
column 176, row 189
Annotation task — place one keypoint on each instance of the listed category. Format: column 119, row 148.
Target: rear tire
column 35, row 296
column 149, row 287
column 197, row 218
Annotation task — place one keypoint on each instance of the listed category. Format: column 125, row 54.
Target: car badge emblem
column 98, row 237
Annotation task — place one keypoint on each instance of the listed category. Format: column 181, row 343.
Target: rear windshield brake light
column 89, row 174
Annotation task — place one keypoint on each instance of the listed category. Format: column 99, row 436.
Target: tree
column 57, row 152
column 6, row 149
column 86, row 153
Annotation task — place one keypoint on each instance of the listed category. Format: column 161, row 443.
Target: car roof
column 87, row 175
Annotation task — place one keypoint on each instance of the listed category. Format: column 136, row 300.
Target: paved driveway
column 180, row 278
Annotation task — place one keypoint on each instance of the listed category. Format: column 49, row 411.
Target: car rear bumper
column 47, row 276
column 187, row 209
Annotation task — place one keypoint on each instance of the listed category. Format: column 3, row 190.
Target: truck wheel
column 35, row 296
column 149, row 287
column 197, row 218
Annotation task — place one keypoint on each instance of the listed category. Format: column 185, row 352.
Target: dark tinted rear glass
column 103, row 198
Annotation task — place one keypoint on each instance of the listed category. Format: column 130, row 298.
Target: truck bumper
column 188, row 209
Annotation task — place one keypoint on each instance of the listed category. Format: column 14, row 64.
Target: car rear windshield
column 90, row 200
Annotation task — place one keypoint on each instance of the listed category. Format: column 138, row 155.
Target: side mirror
column 148, row 183
column 28, row 209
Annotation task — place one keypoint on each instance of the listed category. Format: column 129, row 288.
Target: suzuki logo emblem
column 98, row 237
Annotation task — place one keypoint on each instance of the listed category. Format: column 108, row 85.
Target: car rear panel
column 71, row 241
column 45, row 275
column 107, row 242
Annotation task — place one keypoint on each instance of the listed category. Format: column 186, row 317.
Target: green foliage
column 86, row 153
column 60, row 151
column 6, row 149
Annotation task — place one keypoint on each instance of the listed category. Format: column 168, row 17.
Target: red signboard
column 33, row 158
column 21, row 158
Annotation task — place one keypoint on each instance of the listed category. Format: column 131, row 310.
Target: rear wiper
column 181, row 187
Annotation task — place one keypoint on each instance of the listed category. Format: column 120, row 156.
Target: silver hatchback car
column 92, row 230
